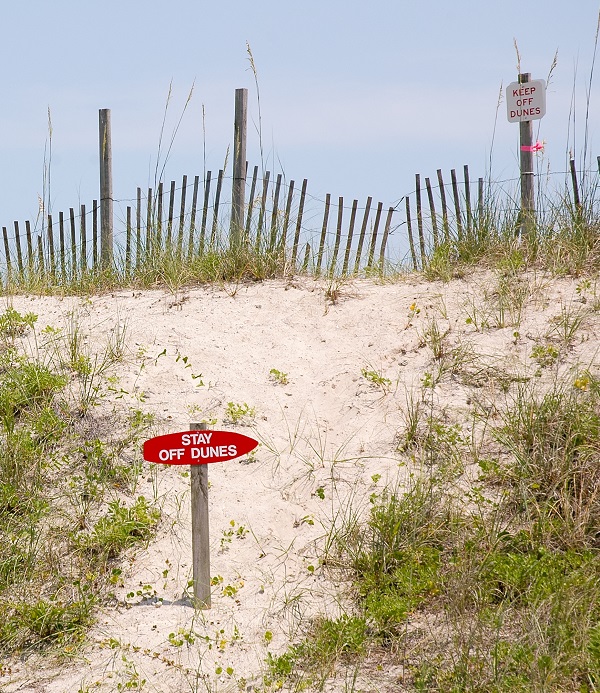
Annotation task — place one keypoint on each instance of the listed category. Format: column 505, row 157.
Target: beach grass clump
column 561, row 239
column 493, row 585
column 58, row 546
column 553, row 439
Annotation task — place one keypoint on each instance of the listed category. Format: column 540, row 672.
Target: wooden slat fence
column 282, row 220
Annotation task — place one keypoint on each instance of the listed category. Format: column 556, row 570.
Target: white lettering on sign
column 172, row 454
column 217, row 451
column 526, row 101
column 195, row 438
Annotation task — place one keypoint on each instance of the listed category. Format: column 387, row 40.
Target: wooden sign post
column 525, row 102
column 198, row 448
column 200, row 530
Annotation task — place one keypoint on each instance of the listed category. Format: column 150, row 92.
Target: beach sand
column 328, row 440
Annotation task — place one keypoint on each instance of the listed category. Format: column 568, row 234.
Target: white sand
column 329, row 428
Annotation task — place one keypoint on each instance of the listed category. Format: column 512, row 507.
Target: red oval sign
column 197, row 447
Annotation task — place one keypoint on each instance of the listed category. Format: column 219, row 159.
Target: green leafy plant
column 278, row 376
column 120, row 528
column 13, row 324
column 239, row 413
column 234, row 531
column 544, row 355
column 376, row 378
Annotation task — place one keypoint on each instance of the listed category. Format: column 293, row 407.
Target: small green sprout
column 278, row 376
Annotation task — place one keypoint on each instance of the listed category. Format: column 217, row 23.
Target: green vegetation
column 478, row 571
column 242, row 414
column 56, row 560
column 502, row 578
column 376, row 378
column 561, row 240
column 278, row 376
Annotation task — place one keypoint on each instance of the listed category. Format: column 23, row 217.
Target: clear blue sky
column 355, row 96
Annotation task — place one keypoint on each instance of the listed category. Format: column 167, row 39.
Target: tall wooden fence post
column 200, row 533
column 239, row 167
column 106, row 193
column 526, row 152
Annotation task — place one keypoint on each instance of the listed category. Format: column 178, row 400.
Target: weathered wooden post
column 525, row 102
column 198, row 450
column 200, row 530
column 239, row 167
column 106, row 192
column 526, row 150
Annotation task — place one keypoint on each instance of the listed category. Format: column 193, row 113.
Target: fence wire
column 327, row 232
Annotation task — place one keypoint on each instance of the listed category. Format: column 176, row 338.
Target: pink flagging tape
column 537, row 147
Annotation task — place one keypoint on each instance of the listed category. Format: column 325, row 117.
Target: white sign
column 526, row 101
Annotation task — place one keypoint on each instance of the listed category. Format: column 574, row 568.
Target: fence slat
column 445, row 224
column 61, row 241
column 181, row 216
column 51, row 246
column 286, row 218
column 18, row 246
column 350, row 235
column 40, row 248
column 213, row 233
column 273, row 239
column 262, row 210
column 386, row 233
column 95, row 234
column 468, row 199
column 338, row 236
column 299, row 222
column 411, row 241
column 29, row 246
column 420, row 220
column 251, row 202
column 361, row 238
column 434, row 226
column 576, row 198
column 138, row 228
column 204, row 213
column 160, row 195
column 193, row 216
column 73, row 244
column 6, row 252
column 457, row 211
column 128, row 243
column 374, row 235
column 480, row 207
column 323, row 233
column 170, row 219
column 306, row 258
column 83, row 240
column 149, row 223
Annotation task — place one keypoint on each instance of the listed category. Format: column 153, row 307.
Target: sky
column 356, row 97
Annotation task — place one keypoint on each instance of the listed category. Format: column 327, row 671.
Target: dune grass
column 485, row 581
column 480, row 581
column 67, row 484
